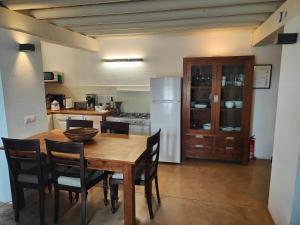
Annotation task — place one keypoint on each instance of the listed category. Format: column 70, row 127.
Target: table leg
column 129, row 195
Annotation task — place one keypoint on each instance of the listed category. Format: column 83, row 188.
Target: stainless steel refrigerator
column 166, row 114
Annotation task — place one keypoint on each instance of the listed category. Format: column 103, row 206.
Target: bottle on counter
column 112, row 102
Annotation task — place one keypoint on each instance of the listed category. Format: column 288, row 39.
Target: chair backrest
column 23, row 157
column 152, row 157
column 78, row 123
column 66, row 159
column 114, row 127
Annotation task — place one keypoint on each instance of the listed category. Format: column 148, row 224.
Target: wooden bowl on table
column 81, row 134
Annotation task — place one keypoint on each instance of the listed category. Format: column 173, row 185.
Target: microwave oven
column 53, row 77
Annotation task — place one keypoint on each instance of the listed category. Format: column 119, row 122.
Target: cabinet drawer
column 195, row 139
column 228, row 153
column 229, row 142
column 197, row 151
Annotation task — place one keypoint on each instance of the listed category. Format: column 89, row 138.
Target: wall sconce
column 124, row 60
column 26, row 47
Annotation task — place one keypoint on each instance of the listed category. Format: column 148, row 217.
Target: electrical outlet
column 29, row 119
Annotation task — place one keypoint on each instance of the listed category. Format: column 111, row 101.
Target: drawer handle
column 199, row 136
column 198, row 146
column 230, row 138
column 229, row 148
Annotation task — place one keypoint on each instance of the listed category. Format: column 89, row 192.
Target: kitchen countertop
column 78, row 112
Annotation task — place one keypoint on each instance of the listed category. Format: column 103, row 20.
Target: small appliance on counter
column 99, row 108
column 80, row 105
column 55, row 106
column 91, row 101
column 60, row 98
column 69, row 103
column 118, row 106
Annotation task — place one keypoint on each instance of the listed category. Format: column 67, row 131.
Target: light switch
column 29, row 119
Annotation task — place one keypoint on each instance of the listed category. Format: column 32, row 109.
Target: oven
column 137, row 124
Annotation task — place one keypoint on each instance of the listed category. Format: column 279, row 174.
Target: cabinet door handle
column 229, row 148
column 230, row 138
column 216, row 98
column 198, row 146
column 199, row 136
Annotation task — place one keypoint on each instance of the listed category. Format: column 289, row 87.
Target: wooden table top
column 126, row 149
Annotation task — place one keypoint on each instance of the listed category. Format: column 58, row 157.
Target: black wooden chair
column 145, row 173
column 70, row 124
column 70, row 173
column 27, row 169
column 78, row 123
column 114, row 127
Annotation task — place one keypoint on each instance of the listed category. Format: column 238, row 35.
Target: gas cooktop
column 131, row 115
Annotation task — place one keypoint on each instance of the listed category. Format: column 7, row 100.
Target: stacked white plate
column 207, row 126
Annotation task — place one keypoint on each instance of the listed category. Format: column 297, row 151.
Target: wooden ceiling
column 120, row 17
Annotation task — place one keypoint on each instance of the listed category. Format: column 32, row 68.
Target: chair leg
column 105, row 189
column 70, row 197
column 117, row 193
column 113, row 195
column 149, row 198
column 76, row 197
column 42, row 206
column 56, row 206
column 83, row 208
column 16, row 203
column 50, row 188
column 21, row 197
column 157, row 189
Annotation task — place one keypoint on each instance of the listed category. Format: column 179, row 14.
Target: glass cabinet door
column 231, row 99
column 201, row 81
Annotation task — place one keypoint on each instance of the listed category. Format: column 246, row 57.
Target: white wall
column 4, row 188
column 284, row 178
column 163, row 57
column 23, row 89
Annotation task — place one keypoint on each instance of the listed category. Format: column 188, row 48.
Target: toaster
column 80, row 105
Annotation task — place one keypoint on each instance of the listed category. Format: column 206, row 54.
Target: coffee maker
column 60, row 98
column 91, row 100
column 118, row 106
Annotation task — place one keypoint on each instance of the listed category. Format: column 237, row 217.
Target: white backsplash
column 133, row 101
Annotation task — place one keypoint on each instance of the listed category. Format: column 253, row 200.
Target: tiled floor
column 194, row 193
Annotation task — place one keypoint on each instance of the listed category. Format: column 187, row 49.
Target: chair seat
column 119, row 176
column 139, row 174
column 91, row 177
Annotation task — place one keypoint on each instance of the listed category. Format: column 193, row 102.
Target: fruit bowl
column 81, row 134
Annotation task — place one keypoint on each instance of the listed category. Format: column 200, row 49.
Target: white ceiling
column 116, row 17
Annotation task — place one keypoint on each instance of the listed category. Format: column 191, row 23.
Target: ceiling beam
column 170, row 15
column 38, row 4
column 19, row 22
column 142, row 31
column 174, row 23
column 265, row 34
column 135, row 7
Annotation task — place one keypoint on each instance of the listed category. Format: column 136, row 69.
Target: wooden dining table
column 112, row 152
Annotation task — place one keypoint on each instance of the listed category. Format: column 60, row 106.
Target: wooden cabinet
column 96, row 120
column 59, row 120
column 50, row 122
column 217, row 97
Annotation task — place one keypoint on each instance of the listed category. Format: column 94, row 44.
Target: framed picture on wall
column 262, row 76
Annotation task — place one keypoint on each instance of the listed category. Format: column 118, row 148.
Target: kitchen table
column 112, row 152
